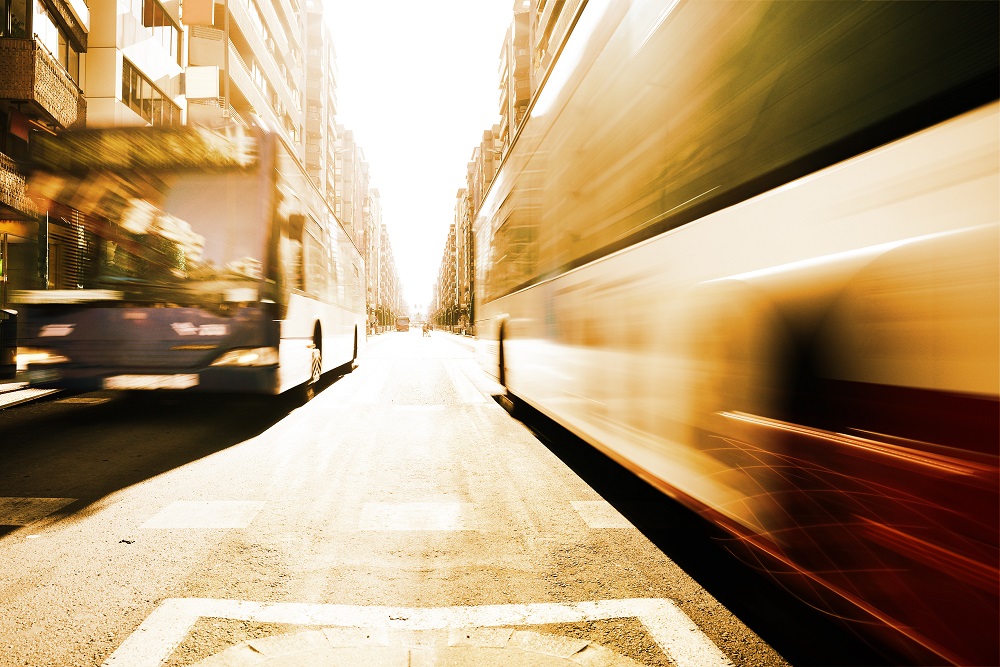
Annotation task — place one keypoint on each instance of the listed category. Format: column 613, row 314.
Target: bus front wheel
column 315, row 372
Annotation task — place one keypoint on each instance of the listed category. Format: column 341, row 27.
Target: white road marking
column 22, row 511
column 599, row 514
column 163, row 630
column 463, row 385
column 12, row 398
column 205, row 514
column 417, row 516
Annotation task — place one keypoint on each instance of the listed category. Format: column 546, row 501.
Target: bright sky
column 418, row 84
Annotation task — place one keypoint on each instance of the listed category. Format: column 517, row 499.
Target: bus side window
column 291, row 251
column 314, row 265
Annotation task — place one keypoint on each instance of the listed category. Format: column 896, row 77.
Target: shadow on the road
column 802, row 634
column 87, row 450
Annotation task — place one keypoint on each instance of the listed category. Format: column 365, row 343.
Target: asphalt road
column 401, row 517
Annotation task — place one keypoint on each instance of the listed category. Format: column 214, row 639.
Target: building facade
column 247, row 63
column 549, row 24
column 135, row 64
column 389, row 301
column 351, row 185
column 515, row 76
column 537, row 32
column 43, row 61
column 445, row 308
column 320, row 122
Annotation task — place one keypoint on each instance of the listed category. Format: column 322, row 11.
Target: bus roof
column 144, row 148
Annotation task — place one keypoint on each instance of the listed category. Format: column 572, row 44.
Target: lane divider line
column 467, row 391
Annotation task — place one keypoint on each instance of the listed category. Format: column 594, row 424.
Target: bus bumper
column 256, row 380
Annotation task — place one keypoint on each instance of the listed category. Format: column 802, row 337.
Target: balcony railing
column 28, row 73
column 12, row 193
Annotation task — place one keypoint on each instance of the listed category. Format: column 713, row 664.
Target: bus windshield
column 177, row 234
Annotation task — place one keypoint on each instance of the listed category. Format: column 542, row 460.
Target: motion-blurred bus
column 750, row 251
column 185, row 259
column 402, row 323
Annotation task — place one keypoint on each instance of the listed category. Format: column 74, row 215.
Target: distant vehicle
column 185, row 259
column 750, row 250
column 402, row 323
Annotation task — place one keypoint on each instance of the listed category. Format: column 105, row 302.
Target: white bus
column 185, row 259
column 750, row 251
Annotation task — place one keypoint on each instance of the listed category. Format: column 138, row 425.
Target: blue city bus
column 185, row 259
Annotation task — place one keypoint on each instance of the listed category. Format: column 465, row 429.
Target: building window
column 69, row 57
column 54, row 38
column 162, row 27
column 15, row 18
column 144, row 98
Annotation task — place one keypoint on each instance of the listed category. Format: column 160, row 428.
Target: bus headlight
column 38, row 355
column 248, row 356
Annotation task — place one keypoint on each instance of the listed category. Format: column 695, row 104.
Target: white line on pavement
column 418, row 516
column 463, row 385
column 205, row 514
column 164, row 629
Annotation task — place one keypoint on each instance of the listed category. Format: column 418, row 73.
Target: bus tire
column 315, row 373
column 307, row 390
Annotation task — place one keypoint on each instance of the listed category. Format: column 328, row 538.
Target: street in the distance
column 400, row 517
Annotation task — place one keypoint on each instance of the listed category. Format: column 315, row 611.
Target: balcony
column 28, row 73
column 243, row 80
column 314, row 126
column 12, row 193
column 285, row 87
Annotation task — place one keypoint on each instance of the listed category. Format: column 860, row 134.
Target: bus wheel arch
column 507, row 400
column 501, row 357
column 735, row 345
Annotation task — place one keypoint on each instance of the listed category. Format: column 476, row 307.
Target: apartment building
column 515, row 75
column 464, row 216
column 390, row 301
column 445, row 310
column 246, row 62
column 135, row 63
column 549, row 25
column 43, row 47
column 480, row 174
column 371, row 250
column 320, row 101
column 352, row 184
column 536, row 35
